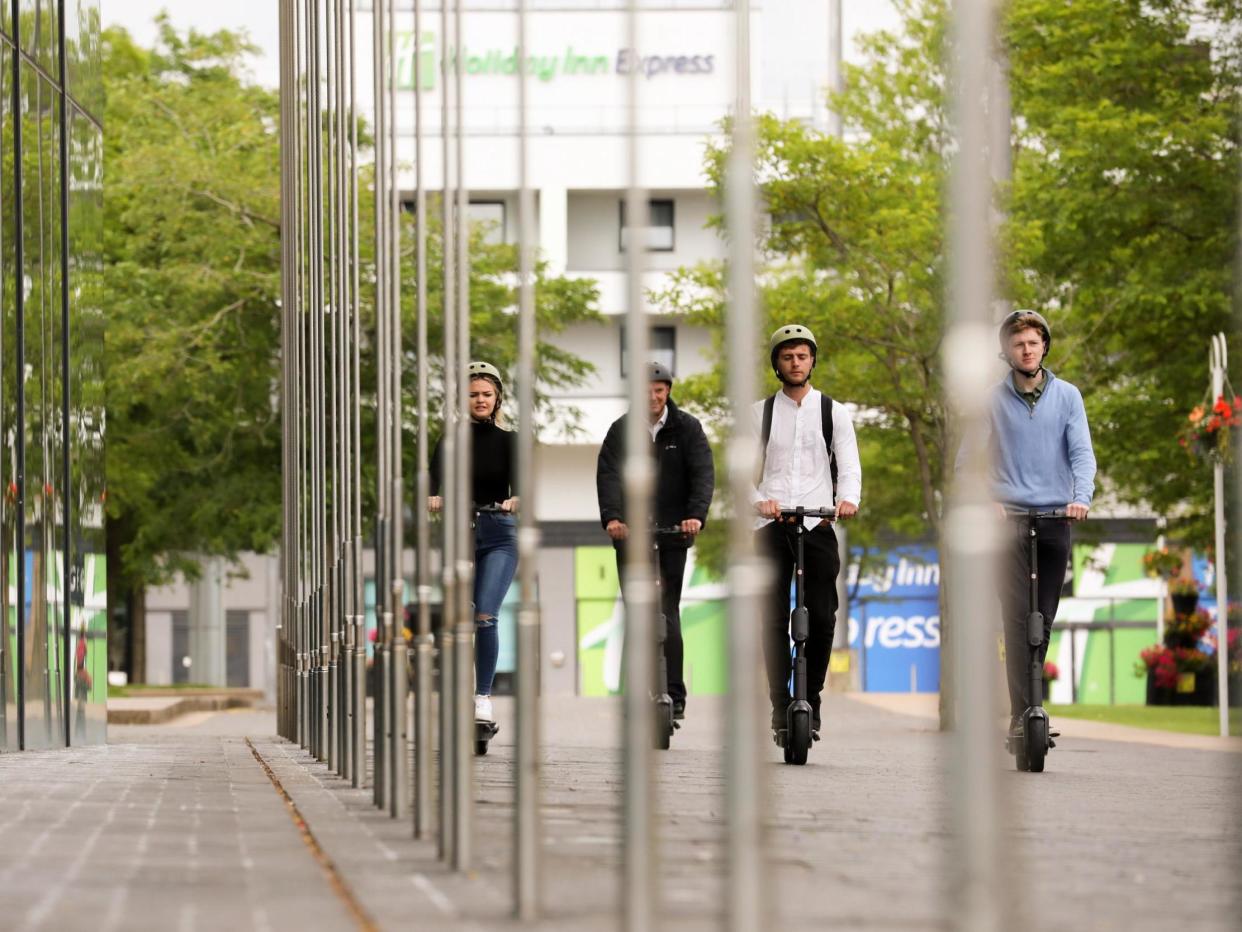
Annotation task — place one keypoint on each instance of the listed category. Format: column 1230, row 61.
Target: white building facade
column 579, row 62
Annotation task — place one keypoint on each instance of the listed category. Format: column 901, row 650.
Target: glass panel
column 41, row 272
column 38, row 32
column 9, row 657
column 82, row 55
column 88, row 573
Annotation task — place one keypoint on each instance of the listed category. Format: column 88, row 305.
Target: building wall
column 53, row 620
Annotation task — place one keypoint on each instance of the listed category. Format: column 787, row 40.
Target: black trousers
column 1052, row 558
column 822, row 564
column 672, row 571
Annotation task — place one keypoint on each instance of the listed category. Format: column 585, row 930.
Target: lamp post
column 1218, row 358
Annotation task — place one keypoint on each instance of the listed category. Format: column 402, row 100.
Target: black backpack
column 825, row 411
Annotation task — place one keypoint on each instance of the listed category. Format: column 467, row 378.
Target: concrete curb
column 156, row 710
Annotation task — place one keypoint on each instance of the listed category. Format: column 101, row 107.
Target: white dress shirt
column 797, row 471
column 659, row 424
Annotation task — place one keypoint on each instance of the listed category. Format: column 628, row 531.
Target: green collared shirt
column 1034, row 394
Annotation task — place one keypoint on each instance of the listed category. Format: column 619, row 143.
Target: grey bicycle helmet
column 1020, row 320
column 791, row 333
column 485, row 370
column 658, row 372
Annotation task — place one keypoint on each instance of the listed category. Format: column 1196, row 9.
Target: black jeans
column 822, row 564
column 672, row 570
column 1052, row 556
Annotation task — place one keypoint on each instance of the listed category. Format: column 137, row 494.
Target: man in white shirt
column 797, row 469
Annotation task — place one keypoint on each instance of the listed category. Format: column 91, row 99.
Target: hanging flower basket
column 1162, row 562
column 1207, row 433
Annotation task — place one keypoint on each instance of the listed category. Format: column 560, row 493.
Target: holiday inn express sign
column 542, row 65
column 578, row 63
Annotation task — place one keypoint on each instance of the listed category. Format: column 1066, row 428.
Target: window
column 491, row 215
column 663, row 348
column 658, row 234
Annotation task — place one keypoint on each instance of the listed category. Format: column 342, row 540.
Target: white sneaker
column 483, row 709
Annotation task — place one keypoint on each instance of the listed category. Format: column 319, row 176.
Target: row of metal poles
column 325, row 673
column 324, row 633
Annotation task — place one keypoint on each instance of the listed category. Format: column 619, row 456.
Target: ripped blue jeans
column 495, row 561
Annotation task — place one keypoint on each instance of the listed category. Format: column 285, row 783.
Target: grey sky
column 259, row 19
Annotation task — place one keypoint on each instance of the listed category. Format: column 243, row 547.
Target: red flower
column 1222, row 407
column 1213, row 423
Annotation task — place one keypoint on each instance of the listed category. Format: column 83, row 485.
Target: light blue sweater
column 1041, row 456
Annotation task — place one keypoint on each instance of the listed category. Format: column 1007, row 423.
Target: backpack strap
column 765, row 434
column 825, row 413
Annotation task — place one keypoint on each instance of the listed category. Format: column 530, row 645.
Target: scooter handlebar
column 669, row 531
column 801, row 512
column 1035, row 513
column 492, row 509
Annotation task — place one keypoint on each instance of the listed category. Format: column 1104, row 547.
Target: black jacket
column 684, row 474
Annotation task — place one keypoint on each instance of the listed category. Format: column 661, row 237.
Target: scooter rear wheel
column 799, row 739
column 664, row 727
column 1036, row 743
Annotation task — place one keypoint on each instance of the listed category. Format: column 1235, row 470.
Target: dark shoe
column 779, row 719
column 679, row 709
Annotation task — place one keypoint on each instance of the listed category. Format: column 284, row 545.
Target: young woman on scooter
column 797, row 469
column 493, row 471
column 1042, row 460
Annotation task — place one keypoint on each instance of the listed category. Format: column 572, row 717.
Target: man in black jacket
column 685, row 479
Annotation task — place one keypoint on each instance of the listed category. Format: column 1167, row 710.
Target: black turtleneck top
column 493, row 462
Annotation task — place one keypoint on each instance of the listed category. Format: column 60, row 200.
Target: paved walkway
column 213, row 823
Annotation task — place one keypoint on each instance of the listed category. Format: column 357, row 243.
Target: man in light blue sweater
column 1041, row 459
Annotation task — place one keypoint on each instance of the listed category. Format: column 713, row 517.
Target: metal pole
column 464, row 747
column 383, row 641
column 319, row 307
column 359, row 725
column 1161, row 587
column 331, row 402
column 836, row 74
column 1219, row 363
column 287, row 260
column 748, row 883
column 423, row 722
column 345, row 588
column 641, row 896
column 971, row 528
column 527, row 831
column 448, row 448
column 399, row 749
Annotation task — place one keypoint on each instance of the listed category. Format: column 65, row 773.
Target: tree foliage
column 192, row 284
column 1119, row 227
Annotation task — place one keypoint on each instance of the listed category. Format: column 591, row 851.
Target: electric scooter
column 1032, row 747
column 665, row 724
column 485, row 731
column 796, row 738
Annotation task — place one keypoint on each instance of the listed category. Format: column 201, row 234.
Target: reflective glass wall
column 53, row 681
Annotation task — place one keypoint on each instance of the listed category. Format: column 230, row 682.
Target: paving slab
column 219, row 824
column 180, row 832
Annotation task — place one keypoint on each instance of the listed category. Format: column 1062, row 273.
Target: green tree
column 1119, row 226
column 1124, row 193
column 192, row 286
